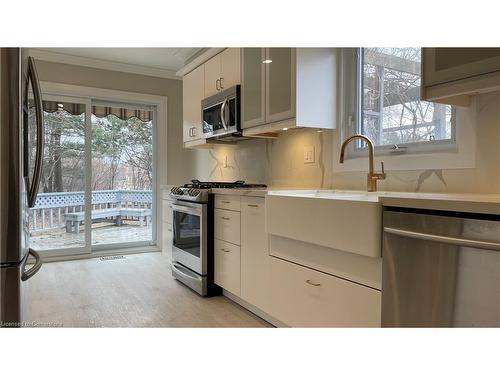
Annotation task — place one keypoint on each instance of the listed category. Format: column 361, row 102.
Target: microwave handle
column 222, row 114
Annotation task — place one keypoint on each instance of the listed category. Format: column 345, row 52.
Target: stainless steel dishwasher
column 440, row 269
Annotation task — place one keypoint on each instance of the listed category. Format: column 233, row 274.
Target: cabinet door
column 254, row 253
column 280, row 84
column 192, row 95
column 213, row 73
column 230, row 67
column 227, row 266
column 253, row 81
column 302, row 297
column 442, row 65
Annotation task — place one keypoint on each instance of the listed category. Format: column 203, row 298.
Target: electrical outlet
column 308, row 154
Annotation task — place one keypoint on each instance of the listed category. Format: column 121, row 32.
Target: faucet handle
column 383, row 169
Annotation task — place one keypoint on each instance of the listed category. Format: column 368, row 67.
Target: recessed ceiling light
column 267, row 61
column 285, row 128
column 60, row 105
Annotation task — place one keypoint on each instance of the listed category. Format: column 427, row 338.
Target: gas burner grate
column 196, row 184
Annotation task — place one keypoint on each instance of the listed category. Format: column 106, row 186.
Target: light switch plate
column 308, row 154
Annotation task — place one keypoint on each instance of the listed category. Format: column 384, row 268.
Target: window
column 389, row 109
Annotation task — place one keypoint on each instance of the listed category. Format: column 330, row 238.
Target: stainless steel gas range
column 193, row 229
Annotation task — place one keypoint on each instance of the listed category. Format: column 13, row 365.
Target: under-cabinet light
column 267, row 61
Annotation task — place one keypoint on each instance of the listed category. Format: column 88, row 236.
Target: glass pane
column 187, row 232
column 252, row 88
column 122, row 180
column 57, row 220
column 392, row 112
column 280, row 73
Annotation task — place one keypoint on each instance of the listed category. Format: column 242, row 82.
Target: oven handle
column 223, row 113
column 187, row 210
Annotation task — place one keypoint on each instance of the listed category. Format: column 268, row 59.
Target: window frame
column 354, row 125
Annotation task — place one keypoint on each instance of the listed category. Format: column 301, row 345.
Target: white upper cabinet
column 230, row 68
column 280, row 83
column 253, row 87
column 213, row 74
column 222, row 71
column 192, row 95
column 451, row 75
column 290, row 87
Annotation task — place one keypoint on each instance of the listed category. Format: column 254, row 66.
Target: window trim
column 456, row 153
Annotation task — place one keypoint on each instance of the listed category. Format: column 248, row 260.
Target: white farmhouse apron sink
column 349, row 221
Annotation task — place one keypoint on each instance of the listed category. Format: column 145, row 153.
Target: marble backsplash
column 280, row 162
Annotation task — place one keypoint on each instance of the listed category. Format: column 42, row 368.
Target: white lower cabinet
column 227, row 226
column 301, row 297
column 254, row 253
column 227, row 266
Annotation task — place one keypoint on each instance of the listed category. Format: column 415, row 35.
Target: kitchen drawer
column 227, row 266
column 227, row 226
column 228, row 202
column 301, row 297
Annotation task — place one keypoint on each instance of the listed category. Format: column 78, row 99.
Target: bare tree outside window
column 392, row 112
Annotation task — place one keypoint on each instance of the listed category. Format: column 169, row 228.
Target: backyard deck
column 57, row 220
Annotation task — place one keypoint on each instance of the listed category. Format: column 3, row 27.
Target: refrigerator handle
column 40, row 132
column 25, row 275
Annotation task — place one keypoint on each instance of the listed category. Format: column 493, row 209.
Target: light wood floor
column 137, row 291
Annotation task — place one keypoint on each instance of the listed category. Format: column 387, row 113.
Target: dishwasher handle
column 444, row 239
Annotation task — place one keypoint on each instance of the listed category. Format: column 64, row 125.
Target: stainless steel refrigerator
column 21, row 158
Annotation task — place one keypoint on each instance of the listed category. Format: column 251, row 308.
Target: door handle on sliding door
column 36, row 267
column 40, row 130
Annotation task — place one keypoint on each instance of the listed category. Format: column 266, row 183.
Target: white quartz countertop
column 255, row 192
column 473, row 203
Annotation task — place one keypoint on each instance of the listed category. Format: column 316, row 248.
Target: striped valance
column 99, row 111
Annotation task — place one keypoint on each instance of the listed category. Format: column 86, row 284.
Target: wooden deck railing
column 50, row 208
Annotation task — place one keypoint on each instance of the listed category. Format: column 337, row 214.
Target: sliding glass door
column 98, row 184
column 58, row 222
column 123, row 177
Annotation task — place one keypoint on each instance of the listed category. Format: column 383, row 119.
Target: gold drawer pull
column 312, row 283
column 253, row 205
column 224, row 250
column 227, row 202
column 225, row 218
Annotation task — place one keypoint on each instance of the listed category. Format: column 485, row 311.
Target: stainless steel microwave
column 221, row 114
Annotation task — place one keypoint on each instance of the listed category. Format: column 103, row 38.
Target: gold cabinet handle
column 312, row 283
column 253, row 205
column 227, row 202
column 225, row 218
column 224, row 250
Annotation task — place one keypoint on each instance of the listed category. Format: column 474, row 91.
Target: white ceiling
column 171, row 59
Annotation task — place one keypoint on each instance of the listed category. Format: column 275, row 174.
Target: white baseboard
column 255, row 310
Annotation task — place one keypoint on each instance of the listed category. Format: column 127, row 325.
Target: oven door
column 189, row 246
column 221, row 114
